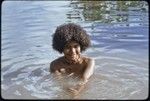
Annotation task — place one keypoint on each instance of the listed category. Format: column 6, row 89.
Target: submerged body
column 73, row 64
column 71, row 40
column 83, row 70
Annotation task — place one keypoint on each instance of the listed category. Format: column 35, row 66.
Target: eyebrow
column 73, row 44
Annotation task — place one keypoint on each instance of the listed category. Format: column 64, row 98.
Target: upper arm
column 89, row 69
column 52, row 67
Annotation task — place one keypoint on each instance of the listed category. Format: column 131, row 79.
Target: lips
column 71, row 56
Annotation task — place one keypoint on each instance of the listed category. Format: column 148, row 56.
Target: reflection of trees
column 124, row 5
column 103, row 11
column 93, row 10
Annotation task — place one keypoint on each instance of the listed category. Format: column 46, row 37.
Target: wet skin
column 72, row 63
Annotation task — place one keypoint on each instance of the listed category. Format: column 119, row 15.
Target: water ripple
column 119, row 47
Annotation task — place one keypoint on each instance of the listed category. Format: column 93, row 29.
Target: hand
column 62, row 70
column 58, row 74
column 75, row 90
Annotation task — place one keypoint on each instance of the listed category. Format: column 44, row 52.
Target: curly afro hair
column 70, row 32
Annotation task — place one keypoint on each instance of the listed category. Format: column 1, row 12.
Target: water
column 119, row 35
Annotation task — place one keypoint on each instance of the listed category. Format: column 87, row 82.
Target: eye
column 66, row 50
column 75, row 46
column 66, row 47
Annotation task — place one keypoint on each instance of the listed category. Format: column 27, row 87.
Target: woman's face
column 72, row 51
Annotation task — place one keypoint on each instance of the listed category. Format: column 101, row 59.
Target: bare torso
column 83, row 69
column 62, row 66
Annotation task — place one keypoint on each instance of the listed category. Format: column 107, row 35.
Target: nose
column 72, row 50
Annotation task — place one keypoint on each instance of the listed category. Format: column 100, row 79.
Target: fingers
column 57, row 72
column 62, row 70
column 58, row 75
column 70, row 74
column 73, row 91
column 83, row 82
column 61, row 73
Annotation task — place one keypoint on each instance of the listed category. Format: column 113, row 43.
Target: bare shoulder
column 54, row 65
column 88, row 60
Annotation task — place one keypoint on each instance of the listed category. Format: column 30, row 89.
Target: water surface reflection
column 119, row 35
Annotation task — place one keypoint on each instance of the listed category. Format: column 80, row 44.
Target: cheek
column 78, row 50
column 66, row 51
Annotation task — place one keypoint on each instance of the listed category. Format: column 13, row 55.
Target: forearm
column 76, row 89
column 86, row 75
column 89, row 70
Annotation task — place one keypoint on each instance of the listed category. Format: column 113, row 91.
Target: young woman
column 71, row 40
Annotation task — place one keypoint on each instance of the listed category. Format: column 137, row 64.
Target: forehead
column 72, row 43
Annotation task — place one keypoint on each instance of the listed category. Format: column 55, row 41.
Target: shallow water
column 119, row 46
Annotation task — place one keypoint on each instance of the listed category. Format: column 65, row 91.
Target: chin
column 73, row 59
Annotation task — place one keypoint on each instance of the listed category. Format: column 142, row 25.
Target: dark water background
column 119, row 34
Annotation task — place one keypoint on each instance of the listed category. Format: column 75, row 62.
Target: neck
column 78, row 60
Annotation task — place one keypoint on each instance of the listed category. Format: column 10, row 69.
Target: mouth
column 71, row 56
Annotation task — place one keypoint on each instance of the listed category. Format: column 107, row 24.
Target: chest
column 74, row 68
